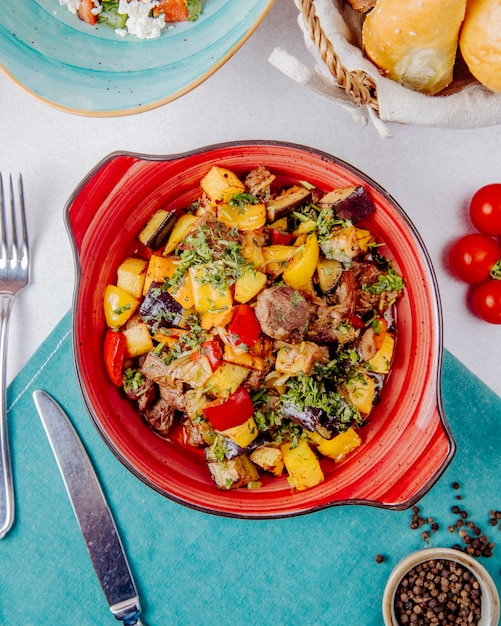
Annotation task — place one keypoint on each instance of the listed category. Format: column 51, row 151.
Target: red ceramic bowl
column 407, row 444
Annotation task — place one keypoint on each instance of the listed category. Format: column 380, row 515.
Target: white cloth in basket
column 474, row 106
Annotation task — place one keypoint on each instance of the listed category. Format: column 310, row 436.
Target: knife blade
column 91, row 510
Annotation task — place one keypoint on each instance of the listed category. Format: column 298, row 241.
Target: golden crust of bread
column 362, row 6
column 480, row 42
column 414, row 42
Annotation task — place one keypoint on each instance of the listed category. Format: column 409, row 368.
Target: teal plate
column 90, row 70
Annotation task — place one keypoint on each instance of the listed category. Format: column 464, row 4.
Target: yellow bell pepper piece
column 303, row 264
column 119, row 306
column 251, row 217
column 181, row 228
column 206, row 296
column 341, row 445
column 380, row 362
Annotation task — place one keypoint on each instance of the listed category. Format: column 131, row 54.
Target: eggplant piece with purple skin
column 285, row 203
column 349, row 203
column 159, row 310
column 158, row 228
column 307, row 418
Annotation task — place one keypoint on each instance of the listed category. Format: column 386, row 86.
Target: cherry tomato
column 472, row 257
column 485, row 209
column 486, row 301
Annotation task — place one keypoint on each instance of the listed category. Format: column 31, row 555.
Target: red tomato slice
column 85, row 13
column 485, row 209
column 173, row 10
column 472, row 257
column 234, row 411
column 486, row 301
column 114, row 351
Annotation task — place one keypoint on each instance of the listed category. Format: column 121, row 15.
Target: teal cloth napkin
column 192, row 568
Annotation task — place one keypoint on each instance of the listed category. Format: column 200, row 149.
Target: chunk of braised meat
column 256, row 377
column 144, row 394
column 160, row 416
column 366, row 275
column 258, row 182
column 331, row 321
column 155, row 368
column 344, row 296
column 283, row 313
column 366, row 344
column 331, row 326
column 174, row 395
column 197, row 432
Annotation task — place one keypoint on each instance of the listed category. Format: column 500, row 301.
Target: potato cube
column 220, row 184
column 232, row 473
column 226, row 380
column 301, row 357
column 160, row 268
column 131, row 275
column 269, row 459
column 243, row 357
column 360, row 391
column 302, row 465
column 138, row 340
column 251, row 250
column 243, row 434
column 249, row 285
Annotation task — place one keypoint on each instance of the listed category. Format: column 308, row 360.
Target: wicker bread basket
column 358, row 84
column 332, row 33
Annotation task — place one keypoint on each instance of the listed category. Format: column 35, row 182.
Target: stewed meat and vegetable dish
column 260, row 321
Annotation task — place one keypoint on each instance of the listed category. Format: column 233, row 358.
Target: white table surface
column 431, row 172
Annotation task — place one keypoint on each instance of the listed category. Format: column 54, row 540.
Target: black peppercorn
column 439, row 592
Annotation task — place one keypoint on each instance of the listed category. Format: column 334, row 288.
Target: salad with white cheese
column 145, row 19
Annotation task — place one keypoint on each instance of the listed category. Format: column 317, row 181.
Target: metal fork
column 14, row 275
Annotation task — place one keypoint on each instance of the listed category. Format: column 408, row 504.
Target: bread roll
column 480, row 41
column 414, row 42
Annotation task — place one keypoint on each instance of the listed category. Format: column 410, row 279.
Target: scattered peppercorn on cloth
column 193, row 568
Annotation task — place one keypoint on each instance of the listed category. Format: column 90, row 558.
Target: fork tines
column 14, row 237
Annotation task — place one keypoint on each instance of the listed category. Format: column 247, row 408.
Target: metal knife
column 91, row 510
